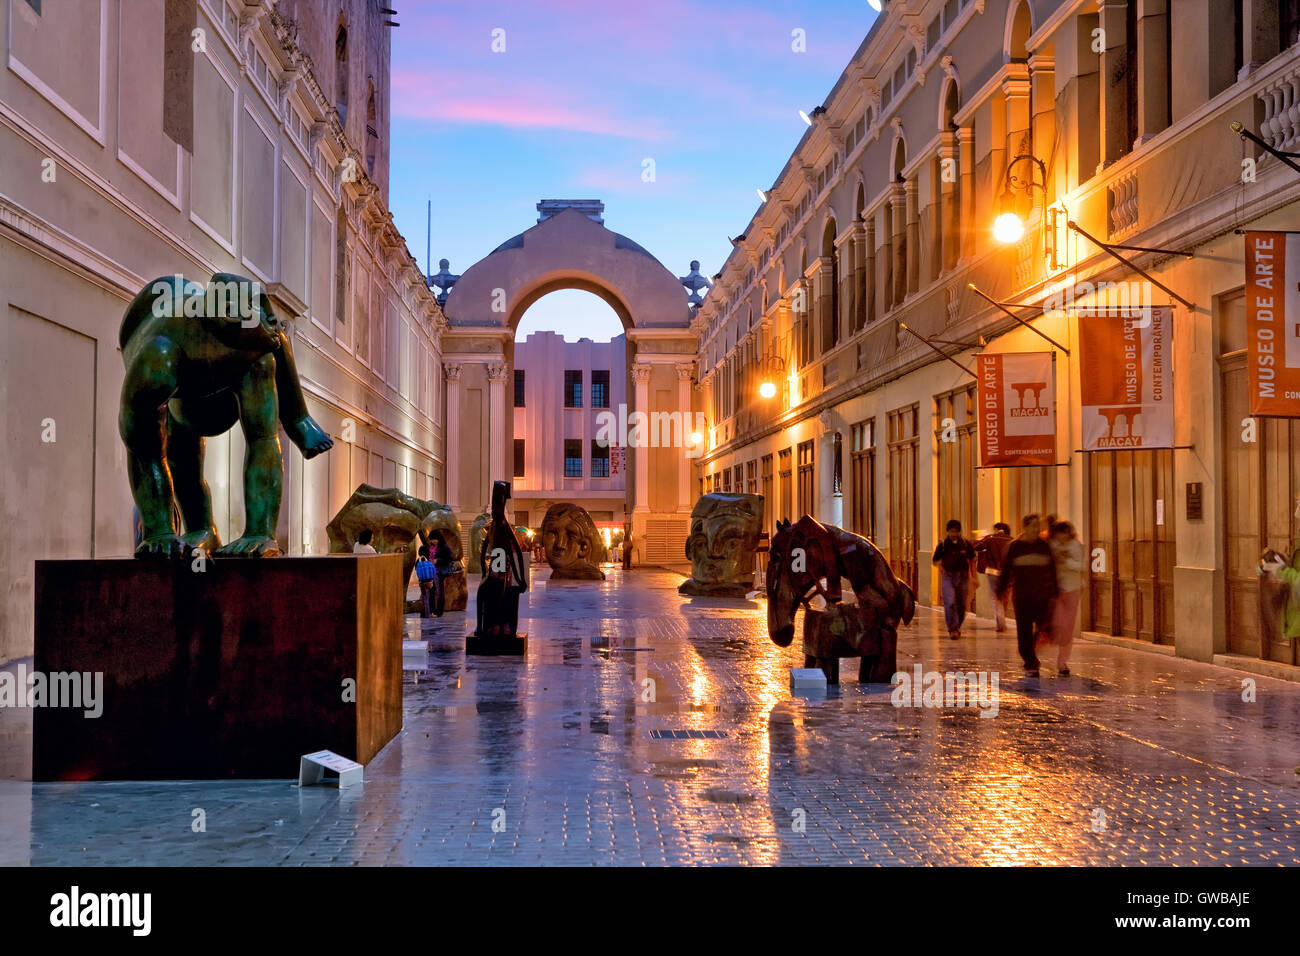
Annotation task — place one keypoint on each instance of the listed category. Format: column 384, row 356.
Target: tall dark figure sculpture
column 198, row 360
column 505, row 577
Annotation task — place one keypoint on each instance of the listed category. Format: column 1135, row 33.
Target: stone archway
column 570, row 248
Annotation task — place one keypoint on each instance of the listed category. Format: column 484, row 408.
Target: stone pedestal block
column 233, row 671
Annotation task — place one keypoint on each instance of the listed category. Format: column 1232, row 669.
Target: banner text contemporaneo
column 1017, row 409
column 1126, row 380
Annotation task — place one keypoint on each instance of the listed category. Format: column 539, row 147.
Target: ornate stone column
column 496, row 372
column 641, row 381
column 684, row 498
column 451, row 450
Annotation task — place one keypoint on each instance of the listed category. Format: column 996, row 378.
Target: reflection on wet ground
column 1135, row 759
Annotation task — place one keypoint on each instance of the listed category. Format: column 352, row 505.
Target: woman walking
column 1067, row 552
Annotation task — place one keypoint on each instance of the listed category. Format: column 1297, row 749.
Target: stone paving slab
column 1136, row 759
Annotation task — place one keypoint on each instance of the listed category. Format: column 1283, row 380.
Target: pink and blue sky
column 584, row 93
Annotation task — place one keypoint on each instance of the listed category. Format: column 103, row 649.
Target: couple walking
column 1043, row 572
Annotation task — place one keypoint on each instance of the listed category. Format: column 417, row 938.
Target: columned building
column 143, row 139
column 569, row 399
column 570, row 248
column 1113, row 116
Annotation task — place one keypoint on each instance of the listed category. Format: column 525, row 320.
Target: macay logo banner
column 1017, row 414
column 1273, row 323
column 1126, row 380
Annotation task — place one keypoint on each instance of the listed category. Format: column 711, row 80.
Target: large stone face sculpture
column 724, row 534
column 399, row 524
column 200, row 359
column 574, row 548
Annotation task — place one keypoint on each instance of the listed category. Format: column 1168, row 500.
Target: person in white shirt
column 363, row 545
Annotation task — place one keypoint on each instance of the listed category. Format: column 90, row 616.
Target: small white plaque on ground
column 807, row 679
column 312, row 767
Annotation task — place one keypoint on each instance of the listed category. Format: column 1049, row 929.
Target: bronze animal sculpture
column 505, row 575
column 399, row 524
column 724, row 534
column 574, row 548
column 807, row 552
column 198, row 360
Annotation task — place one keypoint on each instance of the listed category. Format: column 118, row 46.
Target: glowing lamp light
column 805, row 117
column 696, row 438
column 874, row 5
column 1008, row 227
column 767, row 389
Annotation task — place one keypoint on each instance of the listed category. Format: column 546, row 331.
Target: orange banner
column 1017, row 409
column 1273, row 323
column 1126, row 380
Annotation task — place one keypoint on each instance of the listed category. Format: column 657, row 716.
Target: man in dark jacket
column 954, row 555
column 1029, row 572
column 990, row 552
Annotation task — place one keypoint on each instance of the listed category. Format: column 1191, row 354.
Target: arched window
column 341, row 73
column 828, row 300
column 372, row 131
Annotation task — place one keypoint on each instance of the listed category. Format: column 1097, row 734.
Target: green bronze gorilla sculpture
column 198, row 360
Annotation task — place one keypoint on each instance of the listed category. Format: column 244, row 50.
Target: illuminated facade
column 1114, row 115
column 261, row 149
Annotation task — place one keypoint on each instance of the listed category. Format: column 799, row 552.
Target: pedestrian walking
column 1029, row 573
column 444, row 563
column 1067, row 553
column 990, row 552
column 427, row 575
column 954, row 555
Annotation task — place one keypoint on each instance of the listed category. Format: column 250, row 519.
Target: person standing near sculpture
column 427, row 575
column 1029, row 573
column 1067, row 552
column 990, row 552
column 954, row 555
column 444, row 564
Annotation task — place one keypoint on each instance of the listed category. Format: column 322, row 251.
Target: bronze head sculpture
column 574, row 548
column 200, row 359
column 723, row 537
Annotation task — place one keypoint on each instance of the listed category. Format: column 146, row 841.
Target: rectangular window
column 573, row 388
column 1288, row 16
column 787, row 483
column 955, row 457
column 807, row 486
column 600, row 388
column 519, row 388
column 903, row 444
column 862, row 480
column 949, row 13
column 599, row 459
column 932, row 34
column 573, row 458
column 519, row 458
column 521, row 519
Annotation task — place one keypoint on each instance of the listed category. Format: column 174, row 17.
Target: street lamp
column 1008, row 226
column 770, row 373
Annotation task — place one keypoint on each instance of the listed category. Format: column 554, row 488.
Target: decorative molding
column 496, row 372
column 640, row 374
column 452, row 371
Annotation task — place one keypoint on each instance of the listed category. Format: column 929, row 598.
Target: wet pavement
column 569, row 756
